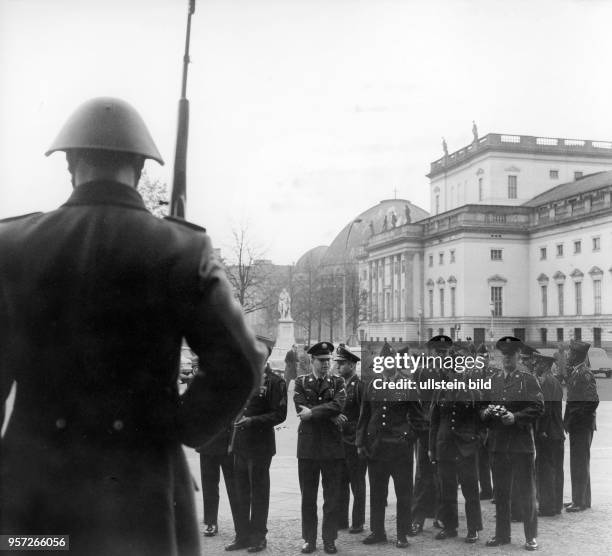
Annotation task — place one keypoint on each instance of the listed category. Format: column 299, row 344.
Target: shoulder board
column 13, row 218
column 184, row 223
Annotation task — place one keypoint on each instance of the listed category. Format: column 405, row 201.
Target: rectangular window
column 596, row 243
column 512, row 187
column 441, row 258
column 480, row 192
column 430, row 304
column 496, row 254
column 577, row 175
column 554, row 174
column 597, row 337
column 560, row 250
column 544, row 300
column 441, row 302
column 452, row 256
column 519, row 333
column 597, row 297
column 543, row 336
column 578, row 290
column 453, row 301
column 430, row 260
column 578, row 334
column 496, row 299
column 430, row 332
column 542, row 253
column 560, row 295
column 437, row 204
column 577, row 247
column 440, row 331
column 559, row 334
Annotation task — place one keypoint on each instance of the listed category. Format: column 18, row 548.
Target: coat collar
column 106, row 193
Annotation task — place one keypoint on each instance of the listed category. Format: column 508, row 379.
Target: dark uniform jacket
column 387, row 419
column 582, row 400
column 319, row 437
column 218, row 445
column 95, row 299
column 352, row 407
column 422, row 410
column 455, row 424
column 551, row 421
column 520, row 394
column 266, row 408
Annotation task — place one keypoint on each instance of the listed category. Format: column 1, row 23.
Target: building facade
column 538, row 267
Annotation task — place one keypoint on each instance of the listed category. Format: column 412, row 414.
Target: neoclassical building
column 520, row 242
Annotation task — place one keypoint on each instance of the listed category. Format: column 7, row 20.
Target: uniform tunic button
column 452, row 428
column 60, row 423
column 320, row 398
column 384, row 424
column 384, row 407
column 118, row 425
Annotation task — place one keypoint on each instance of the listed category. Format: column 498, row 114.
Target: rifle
column 179, row 183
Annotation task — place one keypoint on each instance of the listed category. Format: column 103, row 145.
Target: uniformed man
column 484, row 465
column 214, row 460
column 253, row 446
column 385, row 435
column 550, row 440
column 579, row 422
column 426, row 485
column 516, row 402
column 103, row 292
column 453, row 446
column 354, row 470
column 319, row 397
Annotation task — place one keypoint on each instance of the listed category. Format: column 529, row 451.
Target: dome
column 311, row 259
column 361, row 228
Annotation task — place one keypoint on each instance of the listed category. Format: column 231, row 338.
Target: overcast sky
column 304, row 113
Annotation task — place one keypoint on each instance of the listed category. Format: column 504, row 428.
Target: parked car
column 600, row 362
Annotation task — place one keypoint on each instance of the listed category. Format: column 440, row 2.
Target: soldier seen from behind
column 580, row 422
column 104, row 292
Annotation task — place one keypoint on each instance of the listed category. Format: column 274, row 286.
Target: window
column 496, row 254
column 578, row 334
column 430, row 303
column 560, row 295
column 544, row 290
column 430, row 332
column 453, row 298
column 577, row 247
column 559, row 334
column 543, row 335
column 430, row 260
column 596, row 243
column 441, row 258
column 480, row 191
column 597, row 297
column 578, row 290
column 577, row 175
column 596, row 337
column 452, row 256
column 512, row 187
column 437, row 204
column 560, row 250
column 441, row 302
column 542, row 253
column 496, row 299
column 554, row 174
column 440, row 331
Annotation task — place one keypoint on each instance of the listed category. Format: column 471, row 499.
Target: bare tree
column 248, row 272
column 155, row 194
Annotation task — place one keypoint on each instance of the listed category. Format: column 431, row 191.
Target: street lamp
column 420, row 329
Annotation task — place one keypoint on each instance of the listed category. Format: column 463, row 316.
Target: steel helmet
column 109, row 124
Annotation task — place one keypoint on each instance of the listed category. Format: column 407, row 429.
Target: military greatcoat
column 95, row 300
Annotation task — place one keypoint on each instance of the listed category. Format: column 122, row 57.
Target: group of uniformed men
column 511, row 429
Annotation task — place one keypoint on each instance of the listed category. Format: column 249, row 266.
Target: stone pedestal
column 285, row 338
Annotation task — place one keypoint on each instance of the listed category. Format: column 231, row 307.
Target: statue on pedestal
column 284, row 305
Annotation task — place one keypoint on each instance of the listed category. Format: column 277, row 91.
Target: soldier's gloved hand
column 305, row 414
column 508, row 418
column 242, row 422
column 339, row 420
